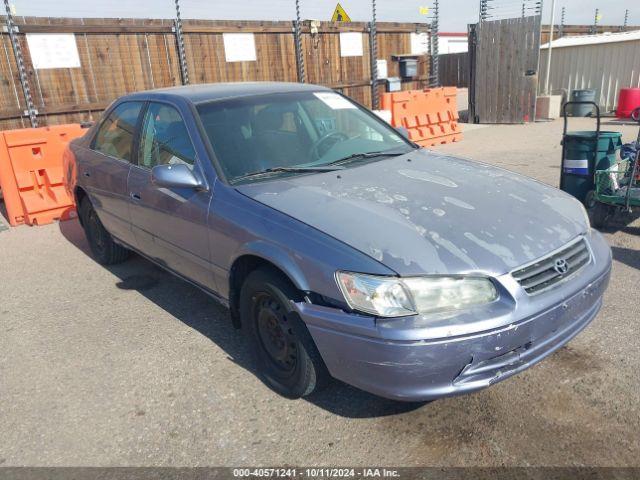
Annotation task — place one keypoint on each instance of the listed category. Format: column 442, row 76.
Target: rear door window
column 115, row 135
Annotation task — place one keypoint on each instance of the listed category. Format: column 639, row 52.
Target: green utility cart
column 584, row 153
column 617, row 190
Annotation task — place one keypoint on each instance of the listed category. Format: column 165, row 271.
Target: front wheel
column 102, row 245
column 285, row 354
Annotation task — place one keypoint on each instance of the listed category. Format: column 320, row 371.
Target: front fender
column 240, row 225
column 279, row 257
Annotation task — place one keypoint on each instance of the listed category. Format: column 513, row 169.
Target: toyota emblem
column 561, row 266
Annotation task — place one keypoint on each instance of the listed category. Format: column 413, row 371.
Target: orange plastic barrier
column 430, row 115
column 31, row 175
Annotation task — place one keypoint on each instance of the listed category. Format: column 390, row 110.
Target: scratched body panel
column 428, row 213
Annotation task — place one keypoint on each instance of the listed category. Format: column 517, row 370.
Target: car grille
column 549, row 270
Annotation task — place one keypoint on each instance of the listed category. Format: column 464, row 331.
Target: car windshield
column 294, row 133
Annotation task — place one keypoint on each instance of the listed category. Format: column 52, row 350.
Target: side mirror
column 403, row 131
column 175, row 176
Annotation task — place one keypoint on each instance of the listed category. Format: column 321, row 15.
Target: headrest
column 272, row 117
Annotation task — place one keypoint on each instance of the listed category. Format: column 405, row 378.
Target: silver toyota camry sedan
column 340, row 248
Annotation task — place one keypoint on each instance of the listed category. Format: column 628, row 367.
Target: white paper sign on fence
column 419, row 43
column 239, row 47
column 53, row 50
column 382, row 68
column 350, row 44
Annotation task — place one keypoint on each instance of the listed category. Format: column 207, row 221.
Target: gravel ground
column 130, row 366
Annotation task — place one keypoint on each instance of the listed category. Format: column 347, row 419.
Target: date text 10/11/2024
column 317, row 472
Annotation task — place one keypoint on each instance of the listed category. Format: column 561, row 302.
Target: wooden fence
column 119, row 56
column 454, row 69
column 504, row 70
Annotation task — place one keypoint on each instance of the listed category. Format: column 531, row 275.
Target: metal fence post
column 596, row 18
column 22, row 72
column 473, row 44
column 484, row 10
column 297, row 37
column 435, row 48
column 177, row 26
column 373, row 51
column 547, row 73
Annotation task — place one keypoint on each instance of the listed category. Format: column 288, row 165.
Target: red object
column 31, row 173
column 628, row 100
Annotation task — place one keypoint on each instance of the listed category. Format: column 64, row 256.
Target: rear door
column 170, row 224
column 105, row 168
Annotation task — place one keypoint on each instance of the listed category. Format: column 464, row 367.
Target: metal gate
column 504, row 56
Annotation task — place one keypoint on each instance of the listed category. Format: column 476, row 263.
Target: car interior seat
column 230, row 134
column 278, row 137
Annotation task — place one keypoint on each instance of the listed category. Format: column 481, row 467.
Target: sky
column 454, row 14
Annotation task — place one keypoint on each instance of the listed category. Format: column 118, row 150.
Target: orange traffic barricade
column 31, row 175
column 430, row 115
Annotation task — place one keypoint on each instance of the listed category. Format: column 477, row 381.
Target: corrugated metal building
column 605, row 63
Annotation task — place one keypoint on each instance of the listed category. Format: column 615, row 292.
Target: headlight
column 397, row 297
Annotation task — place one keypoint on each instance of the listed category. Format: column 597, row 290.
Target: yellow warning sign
column 423, row 10
column 339, row 15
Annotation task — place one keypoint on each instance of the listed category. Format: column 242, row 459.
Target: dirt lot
column 129, row 366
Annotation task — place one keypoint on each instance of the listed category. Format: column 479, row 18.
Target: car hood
column 427, row 213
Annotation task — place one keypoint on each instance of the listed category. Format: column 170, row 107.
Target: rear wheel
column 285, row 354
column 104, row 249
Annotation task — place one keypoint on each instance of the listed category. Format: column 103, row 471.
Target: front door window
column 164, row 139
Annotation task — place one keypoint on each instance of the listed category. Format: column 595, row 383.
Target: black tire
column 285, row 354
column 599, row 213
column 104, row 249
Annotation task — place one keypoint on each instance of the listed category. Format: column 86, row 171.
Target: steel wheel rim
column 275, row 334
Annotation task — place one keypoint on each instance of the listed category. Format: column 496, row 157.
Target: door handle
column 135, row 196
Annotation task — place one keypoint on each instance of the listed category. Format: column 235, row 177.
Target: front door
column 170, row 224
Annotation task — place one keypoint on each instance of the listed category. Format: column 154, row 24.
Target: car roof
column 206, row 92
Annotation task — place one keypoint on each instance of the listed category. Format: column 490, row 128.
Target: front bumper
column 382, row 362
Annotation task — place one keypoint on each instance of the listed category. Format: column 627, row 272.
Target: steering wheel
column 314, row 151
